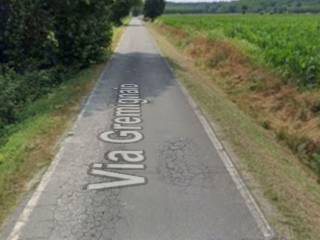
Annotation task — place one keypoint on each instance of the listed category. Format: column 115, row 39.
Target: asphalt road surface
column 139, row 165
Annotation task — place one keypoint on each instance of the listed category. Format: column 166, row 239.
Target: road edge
column 23, row 217
column 210, row 129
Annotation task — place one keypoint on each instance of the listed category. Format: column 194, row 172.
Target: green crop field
column 289, row 42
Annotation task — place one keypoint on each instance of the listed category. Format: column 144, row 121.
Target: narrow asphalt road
column 138, row 165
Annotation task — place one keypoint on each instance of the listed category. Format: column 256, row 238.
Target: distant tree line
column 41, row 41
column 246, row 6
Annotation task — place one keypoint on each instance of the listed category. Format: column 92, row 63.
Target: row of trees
column 38, row 34
column 244, row 6
column 41, row 41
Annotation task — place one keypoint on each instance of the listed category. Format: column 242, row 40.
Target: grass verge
column 287, row 191
column 257, row 88
column 33, row 142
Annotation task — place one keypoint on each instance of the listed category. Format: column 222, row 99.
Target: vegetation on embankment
column 251, row 103
column 42, row 42
column 269, row 66
column 290, row 43
column 50, row 53
column 28, row 144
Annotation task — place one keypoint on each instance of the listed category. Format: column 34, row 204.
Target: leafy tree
column 82, row 29
column 40, row 41
column 154, row 8
column 25, row 37
column 119, row 10
column 39, row 34
column 244, row 9
column 137, row 8
column 4, row 13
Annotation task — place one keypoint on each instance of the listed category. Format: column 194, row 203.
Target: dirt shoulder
column 286, row 189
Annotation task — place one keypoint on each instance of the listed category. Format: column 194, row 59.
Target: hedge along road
column 140, row 165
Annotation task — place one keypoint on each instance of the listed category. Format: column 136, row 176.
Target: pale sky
column 197, row 0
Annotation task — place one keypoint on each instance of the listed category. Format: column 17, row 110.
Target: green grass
column 289, row 42
column 239, row 48
column 28, row 147
column 271, row 170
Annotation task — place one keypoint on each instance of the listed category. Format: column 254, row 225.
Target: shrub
column 82, row 29
column 38, row 34
column 4, row 13
column 40, row 41
column 27, row 45
column 119, row 10
column 17, row 90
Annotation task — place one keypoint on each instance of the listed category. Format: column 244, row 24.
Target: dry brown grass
column 227, row 94
column 258, row 91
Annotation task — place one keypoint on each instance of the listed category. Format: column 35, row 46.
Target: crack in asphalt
column 189, row 194
column 178, row 165
column 91, row 216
